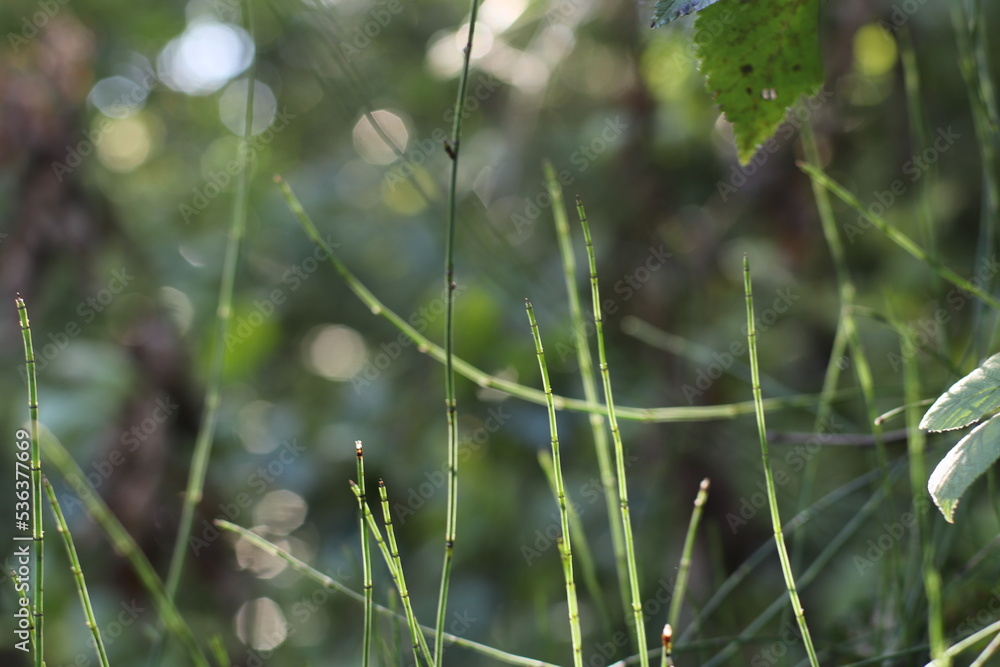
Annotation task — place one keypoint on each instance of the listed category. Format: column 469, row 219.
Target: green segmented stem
column 530, row 394
column 398, row 564
column 420, row 649
column 586, row 363
column 581, row 550
column 19, row 585
column 968, row 642
column 329, row 582
column 366, row 560
column 616, row 438
column 819, row 564
column 125, row 546
column 772, row 497
column 793, row 525
column 453, row 149
column 680, row 587
column 37, row 559
column 565, row 540
column 74, row 567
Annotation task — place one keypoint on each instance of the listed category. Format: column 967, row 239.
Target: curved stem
column 74, row 567
column 772, row 497
column 616, row 438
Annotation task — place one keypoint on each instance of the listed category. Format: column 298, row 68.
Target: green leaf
column 759, row 58
column 962, row 465
column 969, row 400
column 668, row 10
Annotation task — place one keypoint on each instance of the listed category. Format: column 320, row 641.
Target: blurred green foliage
column 622, row 113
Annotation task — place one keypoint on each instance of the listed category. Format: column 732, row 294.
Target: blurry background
column 117, row 122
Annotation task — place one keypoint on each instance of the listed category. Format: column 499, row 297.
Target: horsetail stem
column 330, row 583
column 420, row 649
column 74, row 567
column 397, row 563
column 680, row 587
column 616, row 438
column 425, row 346
column 124, row 545
column 452, row 148
column 37, row 561
column 667, row 637
column 366, row 559
column 565, row 541
column 586, row 363
column 772, row 498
